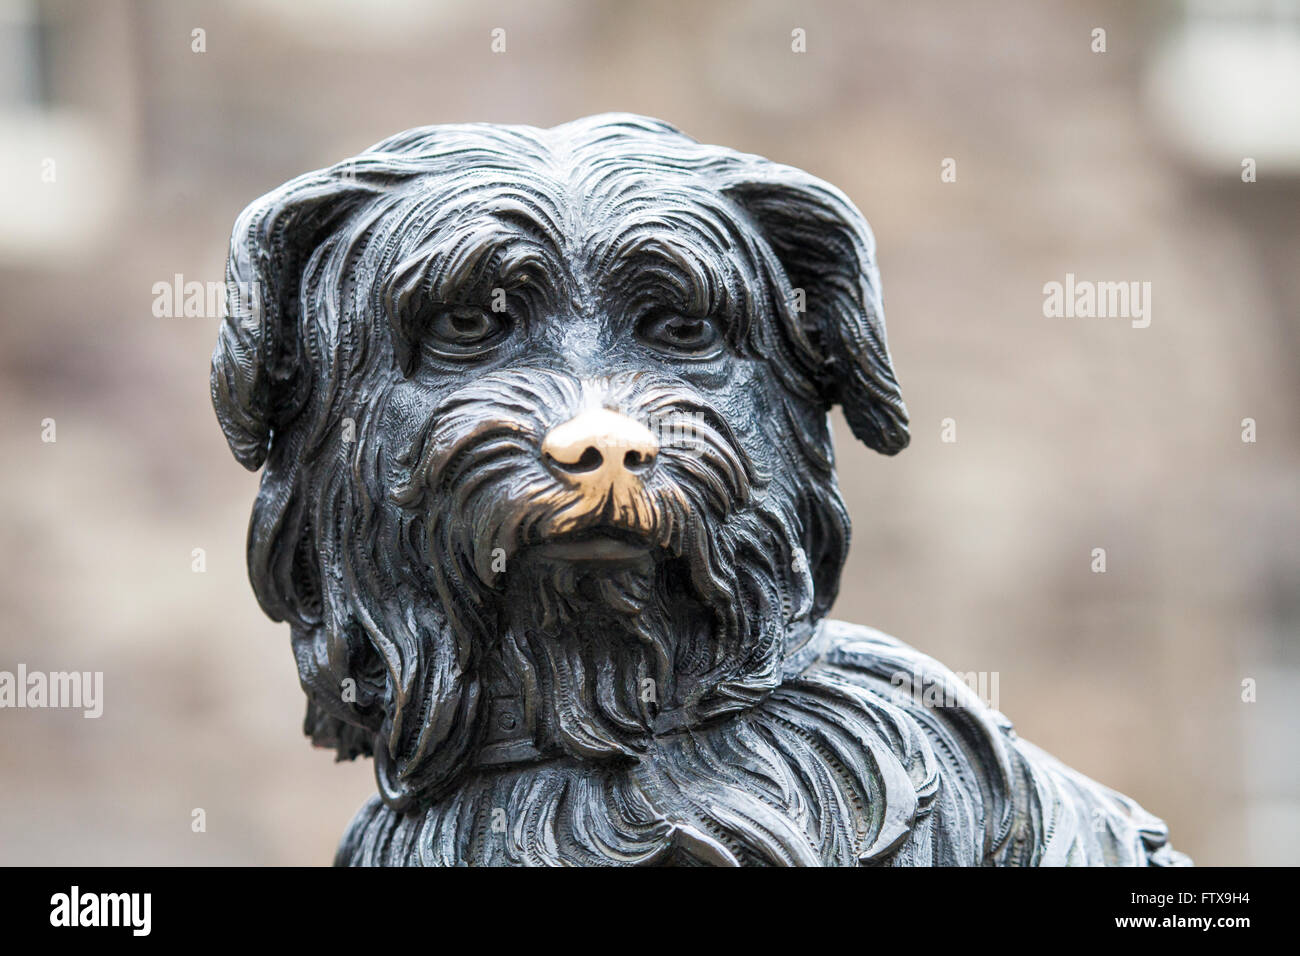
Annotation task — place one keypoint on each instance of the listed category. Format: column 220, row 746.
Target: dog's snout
column 600, row 446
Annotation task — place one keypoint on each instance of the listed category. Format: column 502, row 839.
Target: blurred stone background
column 1072, row 434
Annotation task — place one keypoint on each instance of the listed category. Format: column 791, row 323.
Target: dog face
column 543, row 415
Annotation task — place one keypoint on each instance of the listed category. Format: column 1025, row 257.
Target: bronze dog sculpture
column 550, row 508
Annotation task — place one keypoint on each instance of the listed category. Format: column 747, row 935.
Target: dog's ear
column 258, row 380
column 828, row 253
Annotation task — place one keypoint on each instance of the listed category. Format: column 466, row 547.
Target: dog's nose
column 600, row 446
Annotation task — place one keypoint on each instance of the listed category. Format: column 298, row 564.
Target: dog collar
column 508, row 738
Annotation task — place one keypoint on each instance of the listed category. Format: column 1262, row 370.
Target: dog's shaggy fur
column 690, row 706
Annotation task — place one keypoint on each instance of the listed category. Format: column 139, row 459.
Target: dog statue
column 550, row 508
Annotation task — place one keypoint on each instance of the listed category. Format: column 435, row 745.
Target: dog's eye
column 460, row 331
column 680, row 334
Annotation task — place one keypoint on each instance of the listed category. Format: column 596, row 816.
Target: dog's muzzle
column 604, row 457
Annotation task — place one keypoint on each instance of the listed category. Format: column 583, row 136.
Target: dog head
column 543, row 415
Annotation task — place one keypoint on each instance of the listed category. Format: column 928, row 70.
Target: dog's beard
column 605, row 656
column 587, row 649
column 602, row 656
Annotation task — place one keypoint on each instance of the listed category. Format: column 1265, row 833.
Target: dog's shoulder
column 984, row 795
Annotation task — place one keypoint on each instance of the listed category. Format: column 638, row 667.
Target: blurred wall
column 126, row 152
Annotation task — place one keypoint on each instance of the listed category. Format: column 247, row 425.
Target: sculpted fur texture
column 549, row 505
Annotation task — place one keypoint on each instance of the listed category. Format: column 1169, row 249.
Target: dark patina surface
column 549, row 505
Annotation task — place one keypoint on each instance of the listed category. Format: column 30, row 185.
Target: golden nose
column 600, row 446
